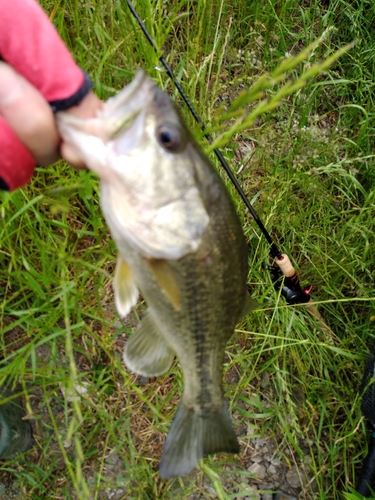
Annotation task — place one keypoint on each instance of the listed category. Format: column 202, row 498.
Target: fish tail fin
column 193, row 436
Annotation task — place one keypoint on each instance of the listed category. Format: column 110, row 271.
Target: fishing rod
column 290, row 285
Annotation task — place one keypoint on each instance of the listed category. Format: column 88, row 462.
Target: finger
column 86, row 109
column 29, row 115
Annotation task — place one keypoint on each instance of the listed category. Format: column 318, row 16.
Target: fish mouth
column 129, row 92
column 120, row 111
column 133, row 87
column 116, row 114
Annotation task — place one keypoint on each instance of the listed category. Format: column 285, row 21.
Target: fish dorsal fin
column 126, row 291
column 147, row 353
column 167, row 279
column 249, row 306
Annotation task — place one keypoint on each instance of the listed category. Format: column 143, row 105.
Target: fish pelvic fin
column 126, row 291
column 147, row 353
column 193, row 436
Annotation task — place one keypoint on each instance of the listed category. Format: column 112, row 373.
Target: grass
column 307, row 166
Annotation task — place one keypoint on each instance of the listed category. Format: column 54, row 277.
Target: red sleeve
column 31, row 45
column 16, row 162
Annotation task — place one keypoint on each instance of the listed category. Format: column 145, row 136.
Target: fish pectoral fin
column 167, row 280
column 249, row 306
column 146, row 353
column 126, row 291
column 193, row 436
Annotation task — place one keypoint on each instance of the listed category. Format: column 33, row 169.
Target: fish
column 181, row 245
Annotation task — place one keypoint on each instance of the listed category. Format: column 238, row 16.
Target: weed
column 307, row 166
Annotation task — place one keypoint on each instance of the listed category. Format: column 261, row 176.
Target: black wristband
column 3, row 185
column 75, row 99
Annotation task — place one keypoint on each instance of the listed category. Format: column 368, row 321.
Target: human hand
column 86, row 109
column 31, row 118
column 38, row 78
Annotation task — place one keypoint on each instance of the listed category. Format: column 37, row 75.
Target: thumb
column 29, row 115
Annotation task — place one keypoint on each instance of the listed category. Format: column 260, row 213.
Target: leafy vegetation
column 307, row 167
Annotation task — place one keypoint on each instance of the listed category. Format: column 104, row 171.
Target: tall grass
column 307, row 166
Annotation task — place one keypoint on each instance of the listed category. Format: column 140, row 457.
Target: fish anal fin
column 126, row 291
column 167, row 280
column 146, row 353
column 193, row 436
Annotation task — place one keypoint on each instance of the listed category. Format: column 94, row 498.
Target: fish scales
column 181, row 245
column 198, row 334
column 208, row 313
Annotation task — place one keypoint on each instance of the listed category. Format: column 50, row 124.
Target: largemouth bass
column 181, row 245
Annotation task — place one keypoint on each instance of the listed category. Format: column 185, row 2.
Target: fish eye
column 170, row 137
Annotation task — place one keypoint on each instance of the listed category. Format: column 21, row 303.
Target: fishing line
column 274, row 251
column 283, row 274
